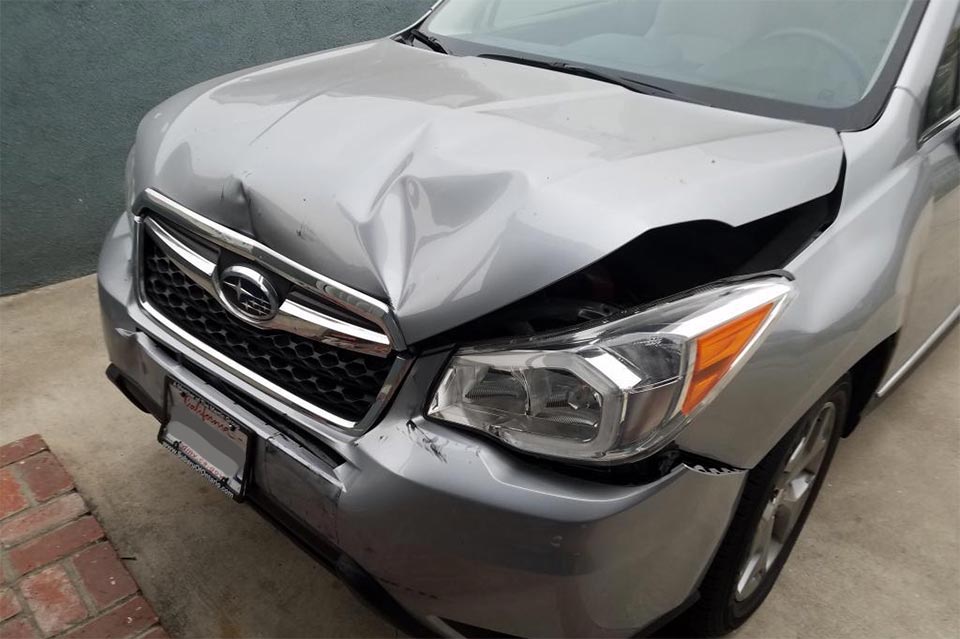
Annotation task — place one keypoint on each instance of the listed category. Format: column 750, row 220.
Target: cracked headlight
column 618, row 389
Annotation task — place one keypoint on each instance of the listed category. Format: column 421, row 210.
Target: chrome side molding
column 938, row 127
column 912, row 361
column 291, row 316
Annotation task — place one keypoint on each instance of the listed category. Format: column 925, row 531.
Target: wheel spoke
column 797, row 458
column 773, row 550
column 761, row 541
column 748, row 576
column 757, row 563
column 792, row 500
column 819, row 437
column 808, row 454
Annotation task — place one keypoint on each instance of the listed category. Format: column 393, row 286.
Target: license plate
column 207, row 439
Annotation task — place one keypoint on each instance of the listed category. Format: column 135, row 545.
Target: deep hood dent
column 451, row 186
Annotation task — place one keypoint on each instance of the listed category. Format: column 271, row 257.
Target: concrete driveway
column 880, row 556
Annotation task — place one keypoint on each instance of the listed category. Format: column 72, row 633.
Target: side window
column 943, row 97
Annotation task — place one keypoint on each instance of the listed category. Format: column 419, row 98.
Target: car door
column 934, row 297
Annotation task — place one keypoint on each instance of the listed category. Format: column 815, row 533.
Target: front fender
column 853, row 285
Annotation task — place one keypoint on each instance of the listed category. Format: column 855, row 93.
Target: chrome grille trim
column 240, row 371
column 330, row 290
column 314, row 418
column 195, row 266
column 291, row 317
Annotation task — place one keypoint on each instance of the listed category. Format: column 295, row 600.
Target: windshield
column 830, row 62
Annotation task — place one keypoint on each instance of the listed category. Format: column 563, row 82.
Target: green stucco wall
column 77, row 76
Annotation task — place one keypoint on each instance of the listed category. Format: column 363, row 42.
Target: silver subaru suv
column 545, row 317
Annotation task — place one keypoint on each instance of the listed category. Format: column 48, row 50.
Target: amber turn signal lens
column 716, row 352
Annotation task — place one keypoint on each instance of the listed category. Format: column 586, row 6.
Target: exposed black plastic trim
column 650, row 630
column 137, row 396
column 476, row 632
column 360, row 582
column 662, row 622
column 866, row 376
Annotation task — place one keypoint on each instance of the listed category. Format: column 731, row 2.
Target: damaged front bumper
column 442, row 530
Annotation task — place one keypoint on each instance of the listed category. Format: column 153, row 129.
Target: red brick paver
column 19, row 628
column 60, row 577
column 54, row 545
column 45, row 476
column 12, row 499
column 125, row 620
column 105, row 578
column 9, row 606
column 54, row 601
column 7, row 575
column 20, row 449
column 38, row 520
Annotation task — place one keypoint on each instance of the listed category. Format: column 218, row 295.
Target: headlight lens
column 614, row 390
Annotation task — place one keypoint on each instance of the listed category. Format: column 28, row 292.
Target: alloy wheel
column 790, row 493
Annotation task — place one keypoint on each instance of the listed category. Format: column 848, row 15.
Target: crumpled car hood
column 451, row 186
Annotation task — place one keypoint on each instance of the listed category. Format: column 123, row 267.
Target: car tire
column 741, row 574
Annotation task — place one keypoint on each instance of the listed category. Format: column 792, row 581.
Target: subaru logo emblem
column 248, row 294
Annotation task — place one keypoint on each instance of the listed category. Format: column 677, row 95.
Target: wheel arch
column 865, row 376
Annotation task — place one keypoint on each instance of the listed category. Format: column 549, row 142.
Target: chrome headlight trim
column 654, row 370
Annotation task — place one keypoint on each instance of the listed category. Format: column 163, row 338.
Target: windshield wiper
column 430, row 41
column 587, row 72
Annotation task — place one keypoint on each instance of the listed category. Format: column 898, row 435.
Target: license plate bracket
column 207, row 439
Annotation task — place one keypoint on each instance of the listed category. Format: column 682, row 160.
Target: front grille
column 342, row 382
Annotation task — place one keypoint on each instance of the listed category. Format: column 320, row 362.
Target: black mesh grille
column 342, row 382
